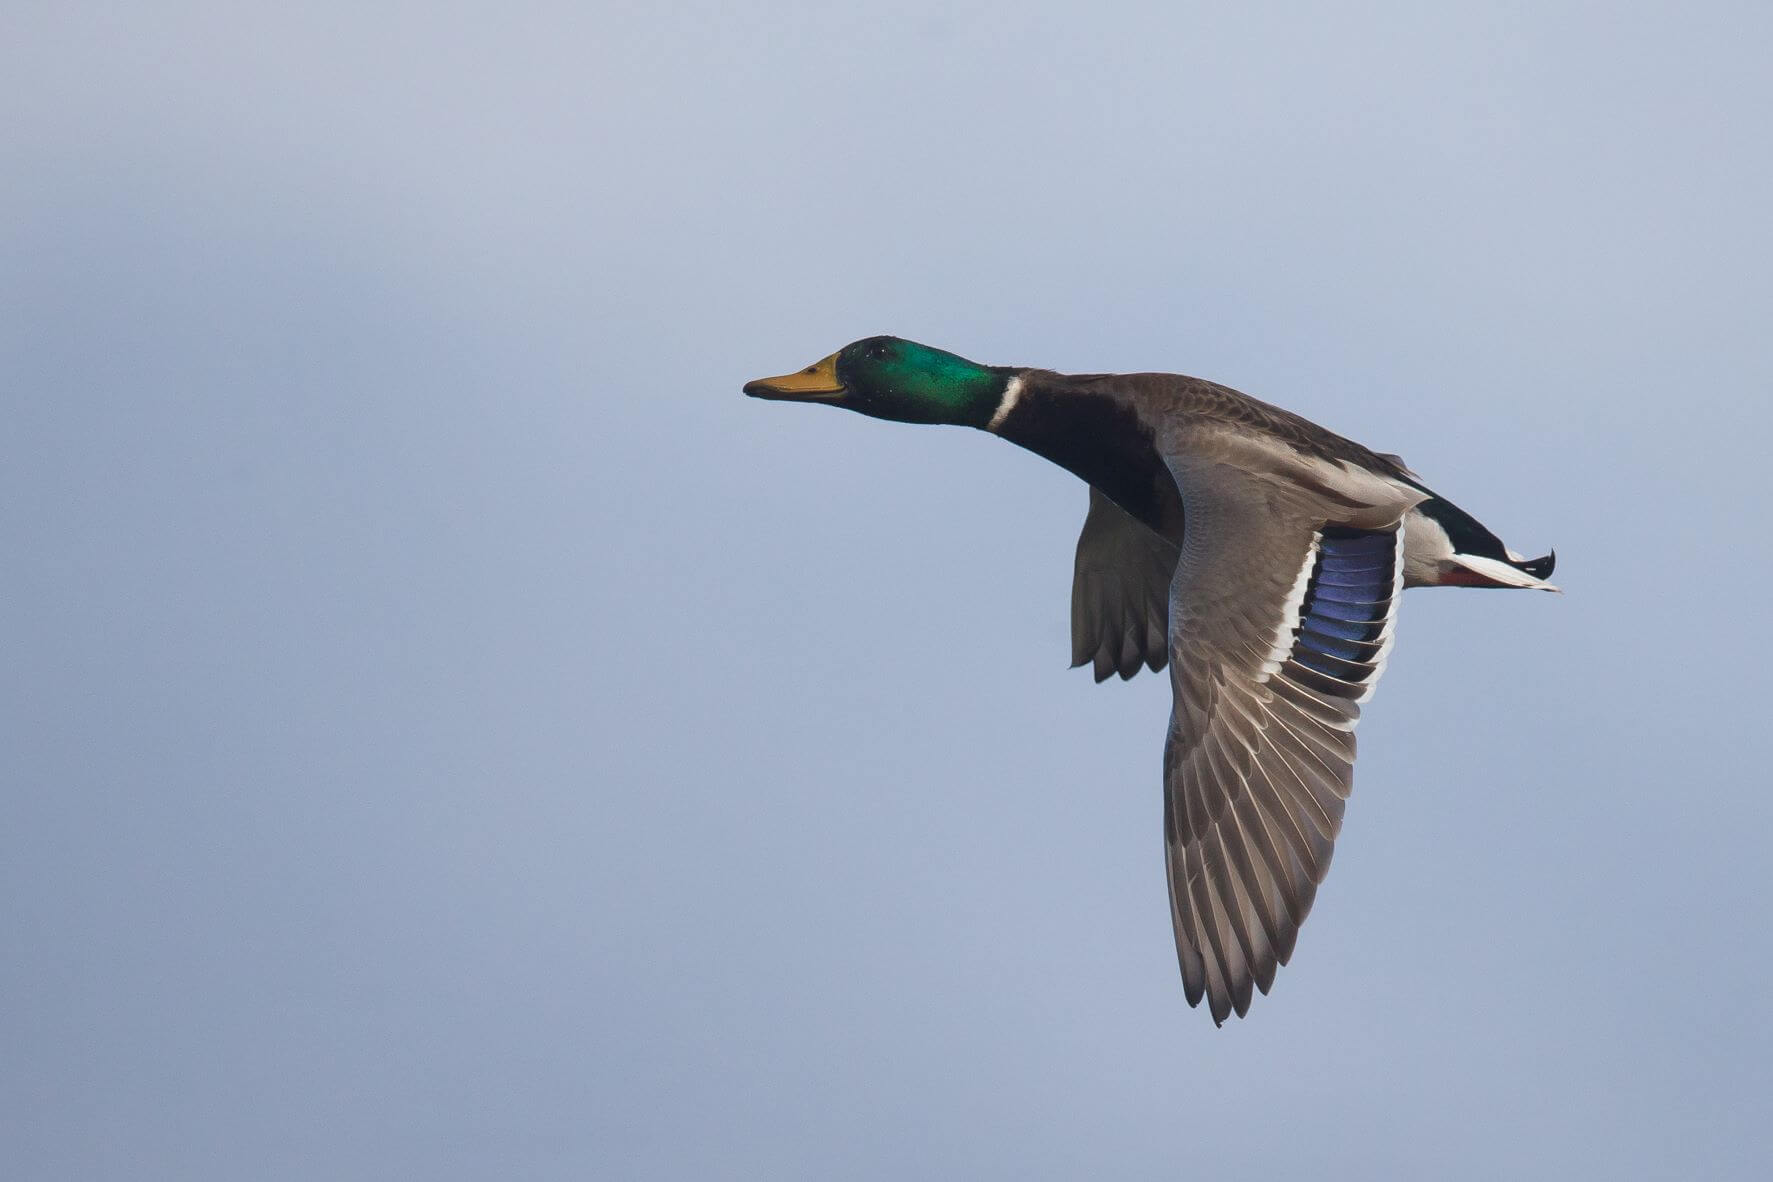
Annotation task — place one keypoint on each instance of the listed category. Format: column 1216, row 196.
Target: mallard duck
column 1255, row 553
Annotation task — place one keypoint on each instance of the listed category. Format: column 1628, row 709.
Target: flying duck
column 1255, row 553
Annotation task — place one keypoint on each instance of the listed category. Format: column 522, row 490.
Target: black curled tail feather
column 1539, row 568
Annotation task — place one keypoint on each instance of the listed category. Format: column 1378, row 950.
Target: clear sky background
column 448, row 732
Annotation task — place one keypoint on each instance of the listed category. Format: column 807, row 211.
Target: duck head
column 891, row 378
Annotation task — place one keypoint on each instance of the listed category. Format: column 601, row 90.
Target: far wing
column 1120, row 593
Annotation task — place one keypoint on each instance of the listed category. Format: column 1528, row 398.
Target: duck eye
column 878, row 351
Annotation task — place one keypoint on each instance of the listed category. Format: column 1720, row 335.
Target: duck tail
column 1478, row 570
column 1472, row 556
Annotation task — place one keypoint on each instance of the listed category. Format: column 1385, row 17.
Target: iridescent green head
column 890, row 378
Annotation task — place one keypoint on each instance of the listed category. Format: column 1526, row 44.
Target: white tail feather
column 1501, row 572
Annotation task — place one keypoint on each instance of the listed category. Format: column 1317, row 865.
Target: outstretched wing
column 1120, row 593
column 1280, row 621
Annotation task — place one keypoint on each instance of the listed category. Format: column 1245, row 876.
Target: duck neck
column 1096, row 436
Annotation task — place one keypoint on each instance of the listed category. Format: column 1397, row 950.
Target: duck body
column 1261, row 558
column 1115, row 430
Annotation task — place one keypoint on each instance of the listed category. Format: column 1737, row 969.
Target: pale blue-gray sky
column 448, row 732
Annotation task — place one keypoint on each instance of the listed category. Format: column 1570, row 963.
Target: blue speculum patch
column 1346, row 603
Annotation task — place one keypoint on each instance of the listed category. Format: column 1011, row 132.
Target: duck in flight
column 1255, row 553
